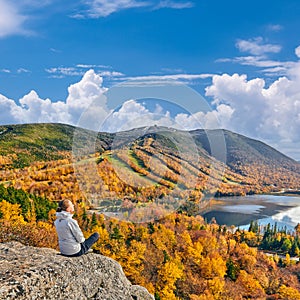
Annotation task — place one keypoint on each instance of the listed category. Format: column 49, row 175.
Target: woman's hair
column 63, row 205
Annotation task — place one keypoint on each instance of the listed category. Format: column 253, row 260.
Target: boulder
column 41, row 273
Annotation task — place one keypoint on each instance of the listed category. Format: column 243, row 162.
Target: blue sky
column 241, row 56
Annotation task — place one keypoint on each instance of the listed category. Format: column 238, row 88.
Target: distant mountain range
column 249, row 165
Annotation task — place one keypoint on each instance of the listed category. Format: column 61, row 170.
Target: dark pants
column 87, row 244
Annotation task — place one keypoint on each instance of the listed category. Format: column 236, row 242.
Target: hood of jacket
column 63, row 215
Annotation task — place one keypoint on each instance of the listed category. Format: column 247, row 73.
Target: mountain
column 142, row 163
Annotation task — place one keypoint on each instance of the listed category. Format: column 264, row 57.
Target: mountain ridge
column 146, row 154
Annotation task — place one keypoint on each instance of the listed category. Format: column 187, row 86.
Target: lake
column 241, row 210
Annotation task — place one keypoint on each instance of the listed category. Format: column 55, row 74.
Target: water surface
column 241, row 210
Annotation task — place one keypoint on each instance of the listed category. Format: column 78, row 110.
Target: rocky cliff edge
column 42, row 273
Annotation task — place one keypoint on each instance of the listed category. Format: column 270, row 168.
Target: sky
column 242, row 57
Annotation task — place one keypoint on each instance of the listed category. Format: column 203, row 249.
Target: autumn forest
column 175, row 253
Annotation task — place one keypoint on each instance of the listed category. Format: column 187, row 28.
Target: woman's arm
column 76, row 231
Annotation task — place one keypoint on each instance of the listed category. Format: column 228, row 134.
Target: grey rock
column 42, row 273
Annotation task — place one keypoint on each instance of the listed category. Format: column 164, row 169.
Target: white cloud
column 18, row 71
column 174, row 4
column 5, row 71
column 297, row 51
column 16, row 15
column 183, row 78
column 86, row 66
column 55, row 50
column 34, row 109
column 257, row 61
column 11, row 20
column 259, row 58
column 110, row 74
column 243, row 96
column 275, row 27
column 84, row 94
column 7, row 107
column 219, row 118
column 257, row 46
column 64, row 71
column 104, row 8
column 133, row 115
column 80, row 70
column 22, row 70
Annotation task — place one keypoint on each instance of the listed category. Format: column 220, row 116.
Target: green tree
column 232, row 269
column 94, row 221
column 286, row 245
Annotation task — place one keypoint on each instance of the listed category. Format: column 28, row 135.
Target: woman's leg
column 88, row 243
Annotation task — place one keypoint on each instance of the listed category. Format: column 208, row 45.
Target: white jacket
column 69, row 234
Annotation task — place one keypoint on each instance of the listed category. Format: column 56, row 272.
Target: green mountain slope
column 26, row 143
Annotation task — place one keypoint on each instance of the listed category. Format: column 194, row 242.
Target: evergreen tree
column 94, row 221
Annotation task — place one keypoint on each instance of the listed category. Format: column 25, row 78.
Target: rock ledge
column 41, row 273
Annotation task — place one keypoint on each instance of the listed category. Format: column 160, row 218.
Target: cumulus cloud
column 7, row 107
column 133, row 114
column 34, row 109
column 218, row 118
column 85, row 93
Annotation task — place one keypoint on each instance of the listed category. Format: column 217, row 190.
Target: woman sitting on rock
column 70, row 237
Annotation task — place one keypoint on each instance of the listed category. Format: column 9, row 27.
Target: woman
column 70, row 237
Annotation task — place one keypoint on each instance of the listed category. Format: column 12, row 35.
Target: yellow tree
column 11, row 213
column 288, row 293
column 133, row 261
column 167, row 277
column 251, row 286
